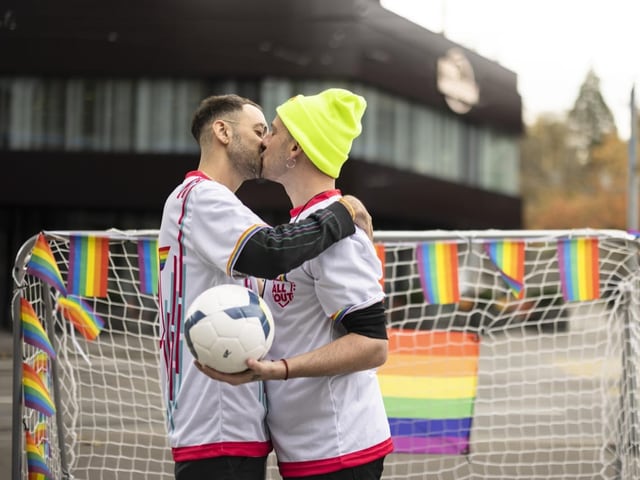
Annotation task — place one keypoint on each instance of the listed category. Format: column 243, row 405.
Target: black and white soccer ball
column 227, row 324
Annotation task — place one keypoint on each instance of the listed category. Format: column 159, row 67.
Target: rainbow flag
column 380, row 252
column 508, row 258
column 82, row 316
column 88, row 266
column 36, row 395
column 438, row 269
column 32, row 331
column 578, row 261
column 148, row 266
column 43, row 265
column 163, row 254
column 37, row 467
column 429, row 386
column 41, row 366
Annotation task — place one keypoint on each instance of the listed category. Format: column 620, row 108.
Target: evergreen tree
column 590, row 119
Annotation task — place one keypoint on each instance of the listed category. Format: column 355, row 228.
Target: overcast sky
column 549, row 44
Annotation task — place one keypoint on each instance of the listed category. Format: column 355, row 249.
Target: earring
column 291, row 165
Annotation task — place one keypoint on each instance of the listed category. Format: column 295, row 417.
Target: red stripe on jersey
column 328, row 465
column 222, row 449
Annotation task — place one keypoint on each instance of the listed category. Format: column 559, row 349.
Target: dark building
column 96, row 101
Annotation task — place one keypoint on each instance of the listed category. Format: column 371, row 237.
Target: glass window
column 154, row 115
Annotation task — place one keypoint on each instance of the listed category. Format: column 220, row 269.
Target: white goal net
column 513, row 355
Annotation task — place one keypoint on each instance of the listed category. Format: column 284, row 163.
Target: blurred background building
column 96, row 101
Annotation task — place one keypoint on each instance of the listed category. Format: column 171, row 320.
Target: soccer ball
column 227, row 324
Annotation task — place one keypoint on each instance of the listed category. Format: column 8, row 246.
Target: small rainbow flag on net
column 429, row 385
column 36, row 395
column 32, row 331
column 88, row 266
column 43, row 265
column 578, row 261
column 148, row 266
column 36, row 465
column 82, row 316
column 438, row 269
column 508, row 258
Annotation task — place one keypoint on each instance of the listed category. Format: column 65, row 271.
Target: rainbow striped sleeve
column 82, row 316
column 429, row 385
column 148, row 266
column 36, row 395
column 32, row 331
column 42, row 264
column 508, row 258
column 438, row 269
column 88, row 266
column 578, row 261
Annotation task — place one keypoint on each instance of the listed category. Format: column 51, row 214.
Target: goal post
column 512, row 355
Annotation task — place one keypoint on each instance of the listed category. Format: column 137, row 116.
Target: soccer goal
column 512, row 355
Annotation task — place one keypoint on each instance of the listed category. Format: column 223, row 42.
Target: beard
column 246, row 161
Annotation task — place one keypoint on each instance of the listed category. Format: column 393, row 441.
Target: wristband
column 286, row 369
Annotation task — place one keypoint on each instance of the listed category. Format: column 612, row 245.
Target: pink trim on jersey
column 320, row 197
column 177, row 292
column 222, row 449
column 328, row 465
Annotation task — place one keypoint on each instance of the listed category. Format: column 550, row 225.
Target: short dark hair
column 215, row 106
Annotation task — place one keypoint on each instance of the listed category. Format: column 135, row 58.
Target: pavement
column 6, row 390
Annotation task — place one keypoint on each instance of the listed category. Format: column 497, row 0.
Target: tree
column 573, row 169
column 590, row 119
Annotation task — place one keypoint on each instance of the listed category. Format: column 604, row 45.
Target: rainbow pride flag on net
column 32, row 331
column 578, row 261
column 438, row 269
column 82, row 316
column 36, row 461
column 42, row 264
column 88, row 266
column 429, row 386
column 508, row 258
column 36, row 394
column 148, row 266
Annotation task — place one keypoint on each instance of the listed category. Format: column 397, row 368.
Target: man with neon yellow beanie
column 325, row 411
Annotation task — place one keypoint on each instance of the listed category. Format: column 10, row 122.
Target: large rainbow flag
column 438, row 269
column 88, row 266
column 42, row 264
column 578, row 261
column 429, row 385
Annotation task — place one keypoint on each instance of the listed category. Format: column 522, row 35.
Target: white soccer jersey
column 203, row 227
column 324, row 424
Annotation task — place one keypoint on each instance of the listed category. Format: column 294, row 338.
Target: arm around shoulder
column 272, row 251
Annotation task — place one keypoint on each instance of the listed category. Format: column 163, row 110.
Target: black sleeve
column 272, row 251
column 369, row 322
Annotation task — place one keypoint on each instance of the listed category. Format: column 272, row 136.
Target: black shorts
column 368, row 471
column 222, row 468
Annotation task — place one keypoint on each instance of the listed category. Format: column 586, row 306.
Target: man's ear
column 295, row 150
column 219, row 130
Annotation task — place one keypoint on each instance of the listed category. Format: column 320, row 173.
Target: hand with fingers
column 360, row 214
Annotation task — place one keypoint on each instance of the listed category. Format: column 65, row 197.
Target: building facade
column 96, row 101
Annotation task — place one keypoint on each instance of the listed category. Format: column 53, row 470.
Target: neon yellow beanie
column 325, row 125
